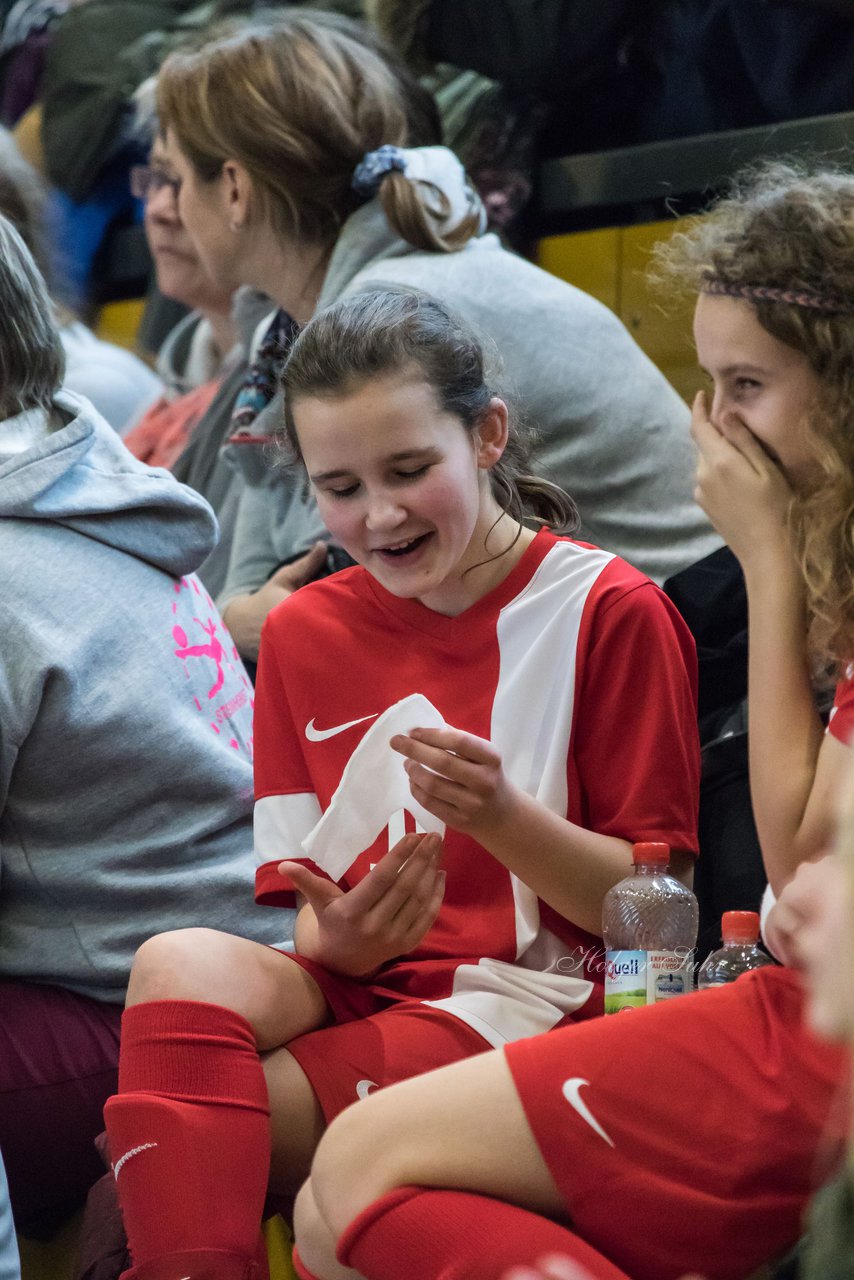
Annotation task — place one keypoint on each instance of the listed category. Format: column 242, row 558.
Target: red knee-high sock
column 454, row 1235
column 189, row 1134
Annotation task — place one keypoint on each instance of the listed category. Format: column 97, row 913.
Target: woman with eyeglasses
column 203, row 347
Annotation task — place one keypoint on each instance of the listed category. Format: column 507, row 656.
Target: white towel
column 373, row 787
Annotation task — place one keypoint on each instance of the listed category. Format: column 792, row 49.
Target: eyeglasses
column 146, row 181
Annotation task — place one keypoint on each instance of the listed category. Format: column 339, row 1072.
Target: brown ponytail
column 417, row 211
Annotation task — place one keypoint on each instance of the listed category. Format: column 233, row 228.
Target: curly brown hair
column 791, row 228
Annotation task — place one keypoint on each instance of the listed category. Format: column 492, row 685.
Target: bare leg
column 297, row 1122
column 275, row 995
column 462, row 1127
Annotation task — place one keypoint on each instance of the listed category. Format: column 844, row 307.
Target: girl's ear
column 237, row 193
column 491, row 434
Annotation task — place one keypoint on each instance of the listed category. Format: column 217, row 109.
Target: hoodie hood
column 74, row 471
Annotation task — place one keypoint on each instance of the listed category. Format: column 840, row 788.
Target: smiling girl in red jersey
column 450, row 868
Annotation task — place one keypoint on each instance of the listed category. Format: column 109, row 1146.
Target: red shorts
column 375, row 1041
column 688, row 1136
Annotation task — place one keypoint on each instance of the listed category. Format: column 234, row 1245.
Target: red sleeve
column 286, row 807
column 841, row 722
column 635, row 759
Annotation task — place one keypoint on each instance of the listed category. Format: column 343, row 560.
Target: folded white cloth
column 374, row 786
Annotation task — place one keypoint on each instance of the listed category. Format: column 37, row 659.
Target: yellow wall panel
column 119, row 321
column 660, row 326
column 611, row 264
column 588, row 259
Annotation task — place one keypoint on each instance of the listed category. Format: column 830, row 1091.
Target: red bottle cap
column 740, row 926
column 650, row 851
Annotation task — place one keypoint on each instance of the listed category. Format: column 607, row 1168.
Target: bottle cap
column 740, row 926
column 650, row 851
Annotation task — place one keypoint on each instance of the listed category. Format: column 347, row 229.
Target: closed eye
column 413, row 475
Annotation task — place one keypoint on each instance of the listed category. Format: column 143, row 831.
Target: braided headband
column 769, row 293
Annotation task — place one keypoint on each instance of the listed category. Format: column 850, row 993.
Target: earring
column 234, row 226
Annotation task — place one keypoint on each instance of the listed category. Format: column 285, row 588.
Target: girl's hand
column 741, row 489
column 456, row 777
column 799, row 915
column 385, row 915
column 245, row 615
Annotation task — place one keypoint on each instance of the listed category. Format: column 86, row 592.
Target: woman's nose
column 161, row 205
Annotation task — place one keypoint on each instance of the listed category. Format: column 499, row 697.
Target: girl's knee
column 315, row 1241
column 356, row 1162
column 182, row 965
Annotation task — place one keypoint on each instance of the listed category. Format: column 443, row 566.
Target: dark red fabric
column 59, row 1057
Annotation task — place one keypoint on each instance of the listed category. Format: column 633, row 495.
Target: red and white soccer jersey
column 580, row 672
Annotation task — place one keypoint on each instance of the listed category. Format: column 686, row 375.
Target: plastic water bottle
column 740, row 952
column 649, row 926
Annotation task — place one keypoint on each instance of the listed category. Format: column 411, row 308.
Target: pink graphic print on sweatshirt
column 211, row 648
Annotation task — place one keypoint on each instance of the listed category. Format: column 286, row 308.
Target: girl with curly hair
column 773, row 267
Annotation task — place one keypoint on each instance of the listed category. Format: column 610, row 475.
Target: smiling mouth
column 403, row 548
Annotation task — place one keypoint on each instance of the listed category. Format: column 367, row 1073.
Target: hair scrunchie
column 436, row 166
column 371, row 170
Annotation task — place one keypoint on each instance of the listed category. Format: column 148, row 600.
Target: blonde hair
column 382, row 332
column 299, row 98
column 791, row 229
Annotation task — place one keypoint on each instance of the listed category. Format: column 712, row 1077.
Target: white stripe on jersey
column 503, row 1002
column 532, row 710
column 281, row 823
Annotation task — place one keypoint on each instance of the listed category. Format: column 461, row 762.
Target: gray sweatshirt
column 125, row 713
column 613, row 432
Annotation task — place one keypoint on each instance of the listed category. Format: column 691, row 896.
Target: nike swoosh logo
column 364, row 1087
column 572, row 1092
column 320, row 735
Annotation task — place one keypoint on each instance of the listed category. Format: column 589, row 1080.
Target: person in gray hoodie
column 125, row 748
